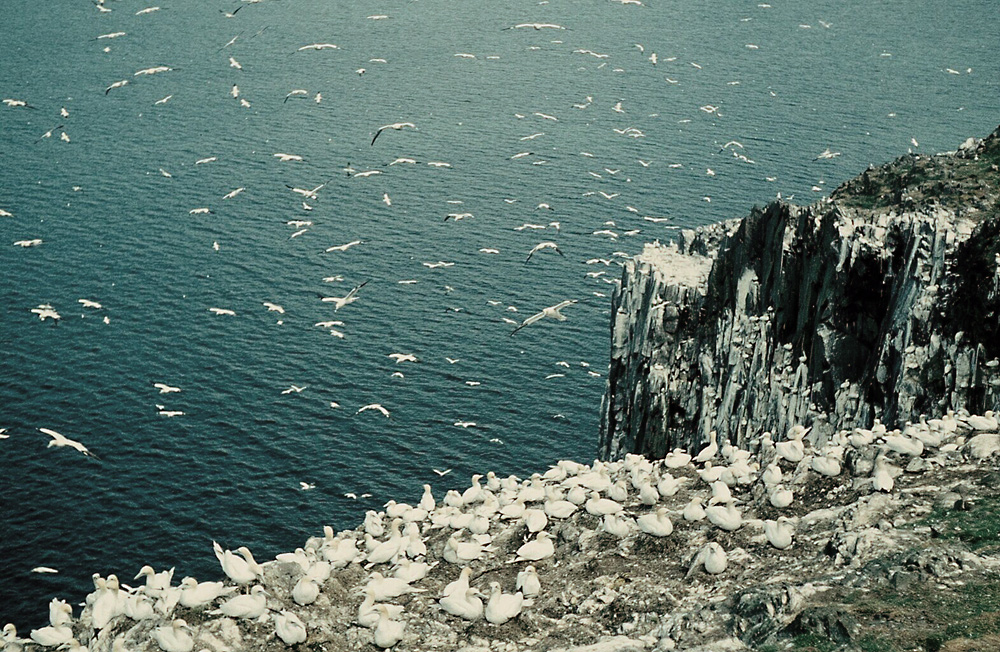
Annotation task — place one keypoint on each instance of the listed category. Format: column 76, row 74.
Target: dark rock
column 861, row 306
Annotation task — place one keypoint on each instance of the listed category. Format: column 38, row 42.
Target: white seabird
column 61, row 440
column 551, row 312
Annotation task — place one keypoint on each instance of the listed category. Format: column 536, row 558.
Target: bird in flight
column 374, row 406
column 60, row 441
column 165, row 388
column 344, row 247
column 340, row 302
column 543, row 245
column 294, row 389
column 305, row 192
column 398, row 126
column 442, row 473
column 319, row 46
column 403, row 357
column 552, row 312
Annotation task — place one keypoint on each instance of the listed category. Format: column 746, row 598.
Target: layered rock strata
column 880, row 302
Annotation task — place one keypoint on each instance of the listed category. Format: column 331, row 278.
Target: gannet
column 222, row 311
column 242, row 570
column 882, row 479
column 117, row 84
column 156, row 583
column 294, row 389
column 305, row 591
column 528, row 583
column 551, row 312
column 543, row 245
column 388, row 632
column 537, row 549
column 147, row 10
column 28, row 243
column 779, row 533
column 694, row 510
column 152, row 71
column 388, row 588
column 233, row 193
column 398, row 126
column 986, row 422
column 250, row 606
column 781, row 497
column 536, row 26
column 374, row 406
column 289, row 628
column 59, row 441
column 501, row 606
column 175, row 637
column 52, row 635
column 712, row 557
column 195, row 594
column 726, row 517
column 368, row 614
column 345, row 247
column 464, row 603
column 340, row 302
column 319, row 46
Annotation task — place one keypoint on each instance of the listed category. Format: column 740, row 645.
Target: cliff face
column 880, row 302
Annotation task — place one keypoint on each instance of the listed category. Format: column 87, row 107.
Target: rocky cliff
column 877, row 303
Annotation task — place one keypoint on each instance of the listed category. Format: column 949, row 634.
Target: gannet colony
column 800, row 453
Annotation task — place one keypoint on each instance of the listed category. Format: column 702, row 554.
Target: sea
column 596, row 125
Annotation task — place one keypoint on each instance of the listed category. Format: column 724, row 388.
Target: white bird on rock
column 289, row 628
column 528, row 583
column 726, row 517
column 779, row 533
column 250, row 606
column 501, row 606
column 195, row 594
column 713, row 557
column 466, row 604
column 175, row 637
column 368, row 614
column 536, row 550
column 240, row 570
column 656, row 524
column 388, row 632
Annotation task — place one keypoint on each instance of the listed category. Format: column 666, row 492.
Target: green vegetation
column 978, row 526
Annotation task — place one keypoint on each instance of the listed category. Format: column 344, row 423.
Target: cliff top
column 964, row 181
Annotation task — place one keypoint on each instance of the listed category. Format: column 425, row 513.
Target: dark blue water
column 117, row 231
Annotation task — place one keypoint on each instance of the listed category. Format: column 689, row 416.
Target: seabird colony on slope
column 405, row 555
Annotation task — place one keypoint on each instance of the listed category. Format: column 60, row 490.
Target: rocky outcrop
column 880, row 302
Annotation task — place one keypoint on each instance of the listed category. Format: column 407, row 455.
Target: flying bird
column 319, row 46
column 543, row 245
column 552, row 312
column 340, row 302
column 60, row 441
column 374, row 406
column 398, row 126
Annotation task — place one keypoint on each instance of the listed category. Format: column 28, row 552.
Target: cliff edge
column 878, row 303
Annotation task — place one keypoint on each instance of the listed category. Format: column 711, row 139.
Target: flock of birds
column 626, row 499
column 626, row 219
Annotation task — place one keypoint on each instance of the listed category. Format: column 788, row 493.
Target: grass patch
column 978, row 526
column 923, row 617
